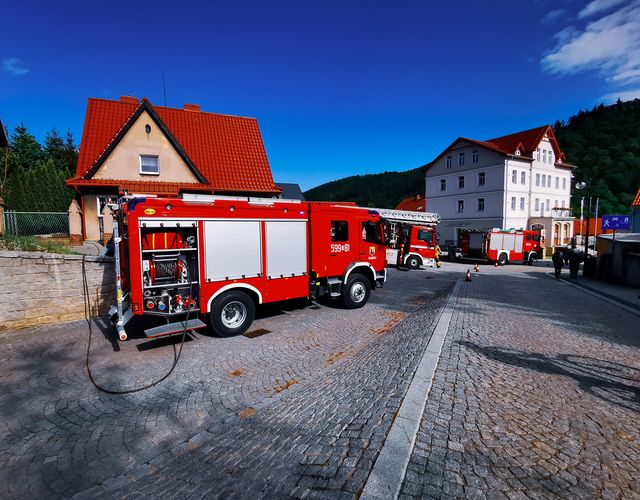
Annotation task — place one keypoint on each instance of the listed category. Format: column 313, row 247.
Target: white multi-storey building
column 519, row 181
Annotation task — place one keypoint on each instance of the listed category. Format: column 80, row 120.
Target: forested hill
column 604, row 143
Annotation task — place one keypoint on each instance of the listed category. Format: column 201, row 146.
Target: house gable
column 122, row 160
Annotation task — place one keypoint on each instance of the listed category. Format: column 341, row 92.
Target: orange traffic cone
column 468, row 277
column 496, row 264
column 476, row 269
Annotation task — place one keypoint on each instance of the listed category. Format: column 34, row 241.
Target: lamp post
column 580, row 186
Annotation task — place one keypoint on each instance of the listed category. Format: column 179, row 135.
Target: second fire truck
column 501, row 245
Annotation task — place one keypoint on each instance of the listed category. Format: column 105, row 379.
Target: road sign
column 616, row 222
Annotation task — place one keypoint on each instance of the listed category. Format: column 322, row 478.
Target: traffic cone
column 476, row 269
column 468, row 277
column 496, row 264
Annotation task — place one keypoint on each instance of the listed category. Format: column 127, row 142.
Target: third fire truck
column 411, row 237
column 201, row 255
column 501, row 245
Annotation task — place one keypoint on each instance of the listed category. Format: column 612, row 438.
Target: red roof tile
column 636, row 200
column 141, row 187
column 527, row 141
column 227, row 150
column 414, row 204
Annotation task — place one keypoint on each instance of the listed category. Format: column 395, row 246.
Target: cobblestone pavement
column 299, row 406
column 537, row 394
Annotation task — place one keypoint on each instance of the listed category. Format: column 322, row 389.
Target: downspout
column 506, row 194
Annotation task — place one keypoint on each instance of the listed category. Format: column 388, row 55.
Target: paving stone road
column 533, row 396
column 537, row 395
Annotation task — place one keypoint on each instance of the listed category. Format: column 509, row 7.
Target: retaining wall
column 40, row 288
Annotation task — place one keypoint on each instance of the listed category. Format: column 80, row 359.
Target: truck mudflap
column 381, row 277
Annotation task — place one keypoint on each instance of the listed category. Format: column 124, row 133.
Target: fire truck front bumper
column 381, row 277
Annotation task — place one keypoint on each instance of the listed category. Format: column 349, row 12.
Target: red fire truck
column 221, row 256
column 411, row 237
column 501, row 245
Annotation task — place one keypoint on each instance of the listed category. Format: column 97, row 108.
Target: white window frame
column 443, row 184
column 461, row 159
column 557, row 182
column 475, row 156
column 482, row 178
column 460, row 206
column 544, row 156
column 548, row 205
column 522, row 203
column 564, row 183
column 142, row 172
column 523, row 177
column 480, row 205
column 514, row 177
column 107, row 199
column 513, row 203
column 537, row 204
column 448, row 162
column 461, row 182
column 544, row 180
column 538, row 180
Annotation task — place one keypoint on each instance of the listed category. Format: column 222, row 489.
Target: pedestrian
column 558, row 261
column 438, row 256
column 575, row 258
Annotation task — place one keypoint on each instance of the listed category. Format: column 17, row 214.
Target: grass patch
column 34, row 244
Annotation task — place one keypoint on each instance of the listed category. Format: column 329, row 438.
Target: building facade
column 519, row 181
column 130, row 145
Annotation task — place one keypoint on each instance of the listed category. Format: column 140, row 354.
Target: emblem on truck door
column 372, row 250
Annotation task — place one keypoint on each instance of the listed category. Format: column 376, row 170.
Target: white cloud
column 610, row 45
column 14, row 66
column 626, row 95
column 597, row 6
column 553, row 15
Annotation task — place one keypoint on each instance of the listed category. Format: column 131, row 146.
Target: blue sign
column 616, row 222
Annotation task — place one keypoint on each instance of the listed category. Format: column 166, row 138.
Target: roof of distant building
column 414, row 203
column 290, row 191
column 225, row 153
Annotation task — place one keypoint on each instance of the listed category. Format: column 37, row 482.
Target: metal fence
column 36, row 223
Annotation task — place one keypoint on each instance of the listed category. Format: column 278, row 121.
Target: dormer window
column 149, row 165
column 517, row 152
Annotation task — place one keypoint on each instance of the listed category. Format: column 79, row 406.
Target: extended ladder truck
column 412, row 237
column 220, row 257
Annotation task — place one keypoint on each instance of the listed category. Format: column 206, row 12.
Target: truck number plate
column 339, row 247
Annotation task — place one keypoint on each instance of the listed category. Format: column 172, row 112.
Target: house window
column 460, row 205
column 448, row 162
column 544, row 180
column 443, row 184
column 460, row 159
column 475, row 156
column 562, row 203
column 548, row 205
column 461, row 182
column 537, row 179
column 339, row 230
column 103, row 200
column 544, row 156
column 557, row 182
column 564, row 184
column 513, row 203
column 537, row 204
column 514, row 177
column 481, row 179
column 555, row 203
column 542, row 208
column 548, row 180
column 550, row 156
column 149, row 165
column 522, row 203
column 480, row 204
column 538, row 154
column 523, row 178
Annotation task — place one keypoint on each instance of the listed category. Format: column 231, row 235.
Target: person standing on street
column 558, row 262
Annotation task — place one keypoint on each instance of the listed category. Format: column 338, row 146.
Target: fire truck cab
column 223, row 256
column 411, row 237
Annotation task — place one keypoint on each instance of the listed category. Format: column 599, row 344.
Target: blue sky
column 339, row 88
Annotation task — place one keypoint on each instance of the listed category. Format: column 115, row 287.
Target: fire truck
column 501, row 245
column 411, row 237
column 218, row 256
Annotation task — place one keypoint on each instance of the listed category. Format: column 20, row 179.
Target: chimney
column 192, row 107
column 129, row 99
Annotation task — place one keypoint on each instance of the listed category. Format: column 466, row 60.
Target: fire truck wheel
column 356, row 292
column 413, row 262
column 502, row 260
column 232, row 313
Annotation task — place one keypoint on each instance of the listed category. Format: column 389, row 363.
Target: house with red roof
column 130, row 145
column 413, row 204
column 519, row 181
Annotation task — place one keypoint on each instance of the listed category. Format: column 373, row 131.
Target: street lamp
column 580, row 186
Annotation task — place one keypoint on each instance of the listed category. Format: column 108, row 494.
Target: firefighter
column 575, row 258
column 558, row 262
column 438, row 255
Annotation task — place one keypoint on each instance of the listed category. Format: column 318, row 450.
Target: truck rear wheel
column 502, row 260
column 356, row 292
column 413, row 262
column 232, row 314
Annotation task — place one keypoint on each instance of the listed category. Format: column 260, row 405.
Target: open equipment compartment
column 170, row 273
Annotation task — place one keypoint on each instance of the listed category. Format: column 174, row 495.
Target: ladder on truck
column 407, row 216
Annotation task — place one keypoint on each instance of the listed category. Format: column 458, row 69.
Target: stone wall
column 40, row 288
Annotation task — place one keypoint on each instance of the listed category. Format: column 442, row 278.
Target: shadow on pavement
column 612, row 382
